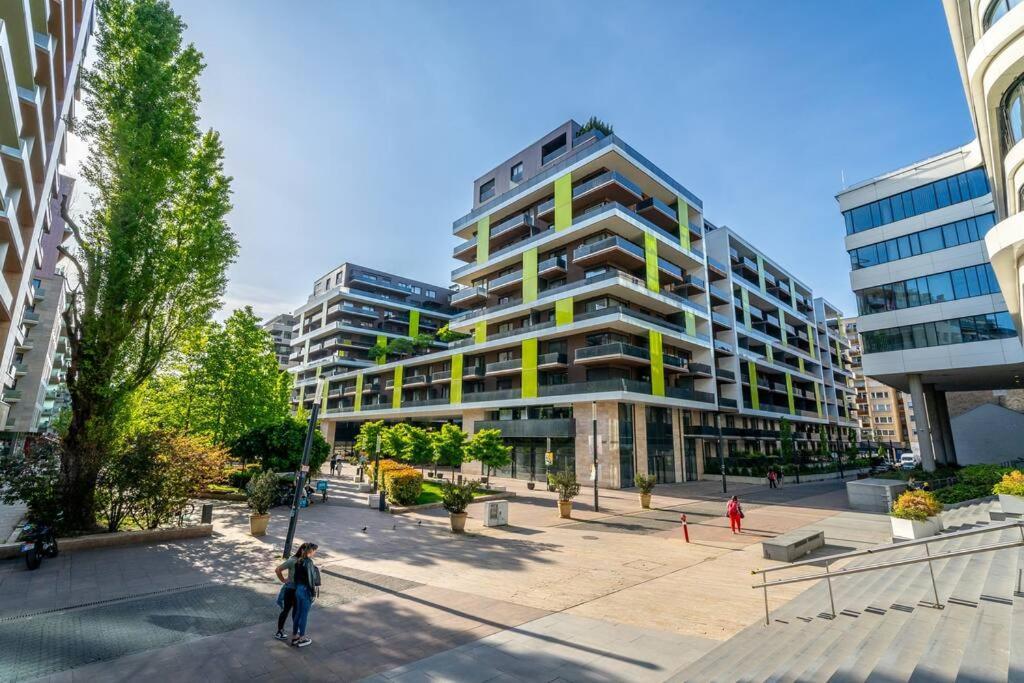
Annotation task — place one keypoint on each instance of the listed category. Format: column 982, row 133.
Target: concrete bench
column 792, row 546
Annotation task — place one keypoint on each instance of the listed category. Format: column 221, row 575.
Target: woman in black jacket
column 307, row 582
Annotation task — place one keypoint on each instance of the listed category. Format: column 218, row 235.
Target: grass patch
column 224, row 488
column 431, row 493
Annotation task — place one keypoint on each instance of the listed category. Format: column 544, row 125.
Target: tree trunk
column 85, row 447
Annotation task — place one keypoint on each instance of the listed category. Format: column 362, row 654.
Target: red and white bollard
column 686, row 530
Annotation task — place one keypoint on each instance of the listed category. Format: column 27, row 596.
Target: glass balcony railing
column 518, row 221
column 504, row 365
column 607, row 243
column 612, row 349
column 507, row 279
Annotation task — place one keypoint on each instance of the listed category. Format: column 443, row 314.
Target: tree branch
column 69, row 221
column 71, row 257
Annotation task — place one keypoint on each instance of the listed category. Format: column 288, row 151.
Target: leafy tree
column 594, row 123
column 449, row 446
column 278, row 447
column 786, row 437
column 393, row 440
column 447, row 336
column 32, row 477
column 421, row 342
column 369, row 432
column 487, row 447
column 377, row 352
column 882, row 452
column 154, row 248
column 822, row 442
column 419, row 447
column 400, row 347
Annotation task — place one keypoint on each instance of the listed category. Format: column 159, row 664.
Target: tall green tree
column 154, row 248
column 449, row 446
column 786, row 437
column 419, row 447
column 369, row 432
column 487, row 447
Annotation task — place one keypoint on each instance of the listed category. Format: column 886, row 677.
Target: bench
column 792, row 546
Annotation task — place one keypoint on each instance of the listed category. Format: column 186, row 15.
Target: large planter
column 1011, row 505
column 531, row 484
column 645, row 501
column 258, row 524
column 910, row 529
column 458, row 520
column 565, row 509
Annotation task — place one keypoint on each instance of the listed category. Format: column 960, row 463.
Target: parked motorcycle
column 37, row 542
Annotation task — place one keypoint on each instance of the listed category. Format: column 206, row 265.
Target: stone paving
column 401, row 588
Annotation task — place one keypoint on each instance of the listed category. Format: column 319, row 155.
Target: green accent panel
column 529, row 369
column 801, row 362
column 789, row 394
column 657, row 353
column 414, row 323
column 480, row 333
column 563, row 311
column 691, row 323
column 817, row 398
column 318, row 370
column 382, row 341
column 396, row 397
column 792, row 294
column 746, row 307
column 760, row 274
column 323, row 399
column 305, row 352
column 782, row 327
column 839, row 352
column 810, row 337
column 755, row 399
column 483, row 239
column 651, row 256
column 683, row 211
column 455, row 392
column 563, row 202
column 530, row 275
column 359, row 393
column 771, row 354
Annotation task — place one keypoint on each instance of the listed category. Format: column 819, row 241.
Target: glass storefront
column 528, row 458
column 661, row 460
column 627, row 458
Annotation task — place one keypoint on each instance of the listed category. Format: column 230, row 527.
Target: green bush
column 403, row 486
column 456, row 497
column 982, row 475
column 240, row 478
column 278, row 447
column 645, row 483
column 566, row 485
column 33, row 478
column 261, row 492
column 1011, row 484
column 916, row 505
column 958, row 493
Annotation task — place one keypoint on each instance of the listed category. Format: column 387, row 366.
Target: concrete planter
column 565, row 509
column 1011, row 505
column 118, row 538
column 458, row 521
column 645, row 501
column 258, row 524
column 911, row 529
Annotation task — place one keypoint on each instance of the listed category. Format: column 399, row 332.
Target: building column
column 945, row 427
column 924, row 436
column 677, row 443
column 640, row 438
column 607, row 443
column 934, row 425
column 469, row 420
column 327, row 428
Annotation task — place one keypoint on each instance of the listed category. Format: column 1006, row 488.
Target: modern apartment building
column 41, row 47
column 352, row 310
column 592, row 291
column 280, row 329
column 931, row 315
column 882, row 411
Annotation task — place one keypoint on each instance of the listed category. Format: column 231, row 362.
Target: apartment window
column 936, row 195
column 431, row 294
column 996, row 11
column 882, row 407
column 36, row 282
column 487, row 190
column 516, row 174
column 552, row 149
column 962, row 283
column 923, row 242
column 941, row 333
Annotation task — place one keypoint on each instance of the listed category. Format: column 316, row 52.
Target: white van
column 909, row 461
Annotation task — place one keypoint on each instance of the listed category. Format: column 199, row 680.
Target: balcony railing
column 414, row 380
column 688, row 394
column 727, row 402
column 507, row 279
column 504, row 366
column 612, row 349
column 531, row 428
column 555, row 263
column 500, row 395
column 426, row 402
column 723, row 373
column 700, row 369
column 553, row 358
column 594, row 387
column 468, row 293
column 441, row 376
column 605, row 244
column 518, row 221
column 474, row 371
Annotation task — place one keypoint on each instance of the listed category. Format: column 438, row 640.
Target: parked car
column 909, row 461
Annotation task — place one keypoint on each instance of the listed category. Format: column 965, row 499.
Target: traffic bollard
column 686, row 530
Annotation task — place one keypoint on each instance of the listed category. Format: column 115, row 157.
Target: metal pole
column 831, row 600
column 594, row 421
column 300, row 480
column 376, row 464
column 721, row 462
column 764, row 585
column 935, row 588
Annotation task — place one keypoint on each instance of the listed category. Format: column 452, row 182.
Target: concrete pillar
column 924, row 436
column 640, row 437
column 934, row 424
column 469, row 419
column 327, row 428
column 607, row 443
column 945, row 427
column 677, row 442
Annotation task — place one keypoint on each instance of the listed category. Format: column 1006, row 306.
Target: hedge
column 402, row 484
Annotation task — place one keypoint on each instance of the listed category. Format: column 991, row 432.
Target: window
column 984, row 327
column 516, row 174
column 931, row 289
column 487, row 190
column 923, row 242
column 996, row 11
column 431, row 294
column 36, row 282
column 941, row 193
column 552, row 149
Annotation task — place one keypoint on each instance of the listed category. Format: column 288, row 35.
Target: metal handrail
column 828, row 575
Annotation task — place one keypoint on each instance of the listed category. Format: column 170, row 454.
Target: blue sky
column 354, row 130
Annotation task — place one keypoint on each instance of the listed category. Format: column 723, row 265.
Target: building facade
column 882, row 411
column 41, row 45
column 352, row 310
column 280, row 329
column 600, row 310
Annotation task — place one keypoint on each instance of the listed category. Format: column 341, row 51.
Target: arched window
column 1013, row 113
column 996, row 11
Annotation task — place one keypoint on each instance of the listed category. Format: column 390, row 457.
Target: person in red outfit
column 734, row 511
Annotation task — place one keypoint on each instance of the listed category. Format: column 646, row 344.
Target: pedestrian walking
column 772, row 479
column 334, row 464
column 307, row 587
column 779, row 480
column 734, row 511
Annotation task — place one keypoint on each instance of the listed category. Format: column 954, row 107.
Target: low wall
column 398, row 509
column 93, row 541
column 788, row 481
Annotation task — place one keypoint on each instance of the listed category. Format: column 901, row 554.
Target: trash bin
column 496, row 513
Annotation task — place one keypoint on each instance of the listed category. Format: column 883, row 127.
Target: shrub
column 33, row 478
column 240, row 478
column 278, row 447
column 456, row 497
column 565, row 484
column 261, row 492
column 1012, row 484
column 404, row 486
column 645, row 483
column 982, row 475
column 916, row 505
column 958, row 493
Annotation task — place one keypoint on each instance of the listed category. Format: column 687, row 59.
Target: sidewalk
column 10, row 516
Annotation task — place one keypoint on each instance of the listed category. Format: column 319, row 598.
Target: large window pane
column 960, row 284
column 962, row 235
column 940, row 287
column 922, row 290
column 884, row 212
column 985, row 223
column 978, row 182
column 942, row 194
column 931, row 240
column 954, row 190
column 904, row 246
column 949, row 235
column 973, row 285
column 898, row 213
column 862, row 218
column 915, row 243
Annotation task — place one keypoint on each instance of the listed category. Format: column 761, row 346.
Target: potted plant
column 568, row 488
column 456, row 498
column 915, row 514
column 1011, row 493
column 646, row 484
column 260, row 494
column 533, row 482
column 551, row 482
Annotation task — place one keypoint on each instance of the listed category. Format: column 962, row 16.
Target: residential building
column 352, row 310
column 280, row 329
column 931, row 315
column 41, row 47
column 882, row 412
column 595, row 296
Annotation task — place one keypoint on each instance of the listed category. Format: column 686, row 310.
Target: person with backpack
column 734, row 511
column 307, row 588
column 772, row 479
column 287, row 597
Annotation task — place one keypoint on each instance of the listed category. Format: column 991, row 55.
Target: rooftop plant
column 594, row 123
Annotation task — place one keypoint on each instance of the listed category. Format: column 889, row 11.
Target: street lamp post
column 593, row 406
column 300, row 479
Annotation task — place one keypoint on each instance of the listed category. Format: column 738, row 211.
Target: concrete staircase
column 885, row 629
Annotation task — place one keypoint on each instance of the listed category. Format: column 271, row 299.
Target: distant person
column 334, row 464
column 734, row 511
column 773, row 479
column 307, row 582
column 779, row 479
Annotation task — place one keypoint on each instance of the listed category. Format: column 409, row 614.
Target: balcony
column 549, row 361
column 500, row 395
column 718, row 295
column 506, row 282
column 12, row 395
column 442, row 377
column 532, row 428
column 474, row 372
column 674, row 363
column 39, row 293
column 505, row 367
column 420, row 403
column 365, row 279
column 609, row 186
column 552, row 267
column 671, row 273
column 354, row 310
column 468, row 296
column 349, row 390
column 659, row 213
column 687, row 394
column 615, row 351
column 615, row 250
column 517, row 226
column 30, row 318
column 466, row 251
column 378, row 406
column 595, row 387
column 720, row 321
column 728, row 404
column 724, row 375
column 371, row 387
column 415, row 381
column 699, row 370
column 20, row 369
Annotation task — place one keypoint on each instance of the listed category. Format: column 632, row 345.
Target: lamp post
column 721, row 450
column 593, row 412
column 300, row 479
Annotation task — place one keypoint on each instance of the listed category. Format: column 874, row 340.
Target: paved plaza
column 609, row 595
